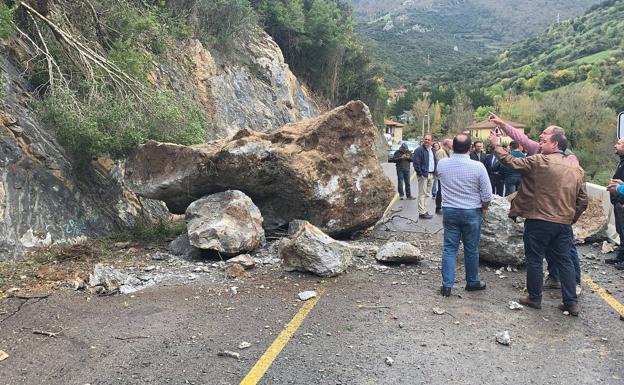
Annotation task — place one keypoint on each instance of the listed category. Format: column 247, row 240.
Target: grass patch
column 600, row 56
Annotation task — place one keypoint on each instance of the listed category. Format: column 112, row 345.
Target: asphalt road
column 172, row 334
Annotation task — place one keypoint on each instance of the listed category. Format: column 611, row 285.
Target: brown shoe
column 411, row 198
column 526, row 301
column 572, row 309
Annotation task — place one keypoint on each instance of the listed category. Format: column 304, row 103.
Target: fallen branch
column 131, row 338
column 28, row 297
column 47, row 333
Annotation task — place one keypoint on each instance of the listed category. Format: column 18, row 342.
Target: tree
column 436, row 129
column 461, row 114
column 421, row 110
column 482, row 112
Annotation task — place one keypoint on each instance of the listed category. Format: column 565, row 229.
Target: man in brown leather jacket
column 551, row 198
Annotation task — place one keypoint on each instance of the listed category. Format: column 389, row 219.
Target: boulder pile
column 324, row 170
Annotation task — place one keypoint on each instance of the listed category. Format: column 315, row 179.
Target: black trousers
column 439, row 197
column 539, row 237
column 618, row 211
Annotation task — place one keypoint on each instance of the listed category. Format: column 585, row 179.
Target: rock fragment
column 227, row 222
column 244, row 345
column 235, row 271
column 3, row 355
column 398, row 252
column 389, row 361
column 310, row 250
column 306, row 295
column 607, row 247
column 227, row 353
column 438, row 311
column 501, row 238
column 245, row 260
column 503, row 338
column 513, row 305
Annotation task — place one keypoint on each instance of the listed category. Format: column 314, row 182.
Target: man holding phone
column 532, row 147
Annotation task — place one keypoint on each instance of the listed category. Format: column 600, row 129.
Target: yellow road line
column 602, row 293
column 396, row 196
column 263, row 364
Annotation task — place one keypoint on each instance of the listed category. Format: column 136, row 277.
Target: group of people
column 550, row 195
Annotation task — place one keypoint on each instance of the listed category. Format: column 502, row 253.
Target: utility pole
column 428, row 60
column 558, row 18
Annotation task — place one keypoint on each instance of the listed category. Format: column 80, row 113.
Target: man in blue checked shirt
column 466, row 194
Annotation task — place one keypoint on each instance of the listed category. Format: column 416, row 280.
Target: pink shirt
column 531, row 146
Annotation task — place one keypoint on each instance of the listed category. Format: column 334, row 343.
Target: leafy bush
column 219, row 22
column 6, row 19
column 150, row 232
column 115, row 125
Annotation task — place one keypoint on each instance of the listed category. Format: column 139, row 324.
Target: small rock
column 509, row 268
column 234, row 290
column 306, row 295
column 513, row 305
column 438, row 311
column 235, row 270
column 244, row 345
column 398, row 252
column 122, row 245
column 149, row 268
column 401, row 325
column 227, row 353
column 566, row 312
column 503, row 338
column 607, row 247
column 3, row 355
column 389, row 361
column 245, row 260
column 161, row 257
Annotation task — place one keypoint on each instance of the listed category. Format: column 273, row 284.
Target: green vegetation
column 418, row 39
column 589, row 48
column 319, row 42
column 151, row 232
column 6, row 21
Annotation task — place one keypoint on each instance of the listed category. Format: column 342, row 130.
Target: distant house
column 481, row 130
column 395, row 94
column 395, row 130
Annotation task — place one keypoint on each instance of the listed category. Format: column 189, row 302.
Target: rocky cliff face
column 249, row 86
column 43, row 201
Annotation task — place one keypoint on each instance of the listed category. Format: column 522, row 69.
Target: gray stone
column 112, row 279
column 311, row 250
column 245, row 260
column 227, row 222
column 398, row 252
column 503, row 338
column 306, row 295
column 323, row 170
column 181, row 246
column 501, row 238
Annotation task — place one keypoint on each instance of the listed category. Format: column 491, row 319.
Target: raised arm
column 519, row 136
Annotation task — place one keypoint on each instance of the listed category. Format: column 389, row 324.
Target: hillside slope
column 417, row 38
column 586, row 48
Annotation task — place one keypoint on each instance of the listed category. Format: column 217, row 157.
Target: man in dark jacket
column 403, row 159
column 424, row 165
column 478, row 153
column 491, row 165
column 618, row 208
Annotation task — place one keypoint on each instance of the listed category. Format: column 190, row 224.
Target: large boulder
column 592, row 225
column 310, row 250
column 501, row 238
column 398, row 252
column 227, row 222
column 323, row 170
